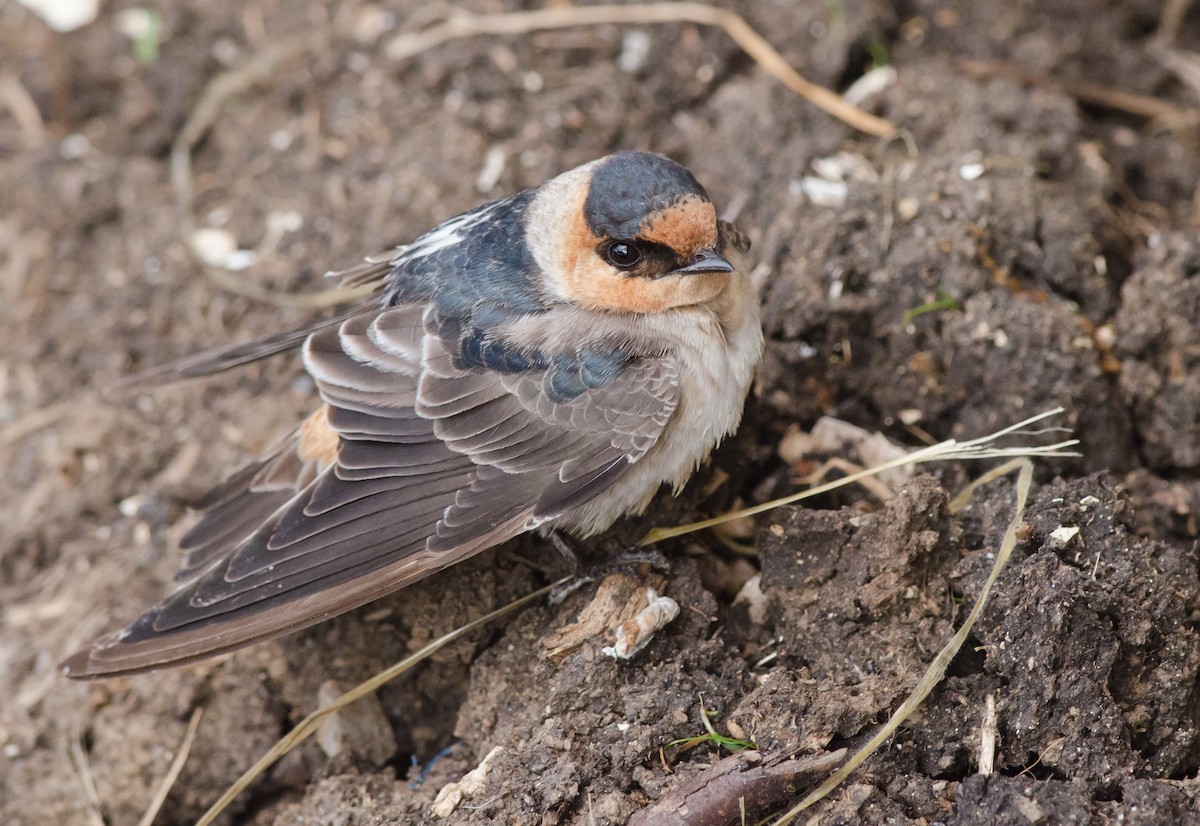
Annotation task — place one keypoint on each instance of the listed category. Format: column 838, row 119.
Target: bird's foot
column 623, row 563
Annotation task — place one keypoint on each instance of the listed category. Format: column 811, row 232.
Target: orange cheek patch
column 318, row 440
column 686, row 227
column 583, row 276
column 575, row 256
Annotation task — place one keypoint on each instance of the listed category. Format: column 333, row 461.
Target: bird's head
column 632, row 232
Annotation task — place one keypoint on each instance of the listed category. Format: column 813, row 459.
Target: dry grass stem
column 205, row 113
column 949, row 450
column 310, row 723
column 181, row 756
column 83, row 770
column 42, row 418
column 16, row 98
column 937, row 669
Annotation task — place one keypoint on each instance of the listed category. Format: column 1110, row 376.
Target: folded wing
column 412, row 465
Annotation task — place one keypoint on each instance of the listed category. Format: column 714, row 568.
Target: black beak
column 705, row 261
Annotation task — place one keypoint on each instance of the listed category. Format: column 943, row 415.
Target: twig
column 988, row 731
column 310, row 723
column 181, row 756
column 937, row 669
column 24, row 110
column 743, row 782
column 1185, row 66
column 522, row 22
column 40, row 419
column 1170, row 20
column 1106, row 96
column 873, row 486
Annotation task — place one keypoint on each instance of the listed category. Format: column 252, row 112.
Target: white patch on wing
column 444, row 235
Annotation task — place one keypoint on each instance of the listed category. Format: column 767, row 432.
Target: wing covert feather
column 434, row 462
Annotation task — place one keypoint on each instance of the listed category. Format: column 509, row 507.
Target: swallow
column 542, row 362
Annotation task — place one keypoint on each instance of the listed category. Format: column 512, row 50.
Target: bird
column 543, row 362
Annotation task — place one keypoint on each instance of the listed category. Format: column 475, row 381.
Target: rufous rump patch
column 318, row 440
column 686, row 227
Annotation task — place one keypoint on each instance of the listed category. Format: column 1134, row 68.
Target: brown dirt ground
column 1074, row 265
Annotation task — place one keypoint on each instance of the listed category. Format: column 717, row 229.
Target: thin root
column 751, row 42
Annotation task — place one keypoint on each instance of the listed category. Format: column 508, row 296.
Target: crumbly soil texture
column 1031, row 241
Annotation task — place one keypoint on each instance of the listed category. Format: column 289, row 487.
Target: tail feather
column 225, row 358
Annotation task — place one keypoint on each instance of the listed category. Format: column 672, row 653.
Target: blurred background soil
column 1034, row 242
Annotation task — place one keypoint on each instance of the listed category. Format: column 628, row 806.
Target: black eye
column 623, row 254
